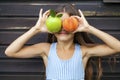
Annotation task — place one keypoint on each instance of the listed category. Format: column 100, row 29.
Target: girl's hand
column 40, row 25
column 83, row 24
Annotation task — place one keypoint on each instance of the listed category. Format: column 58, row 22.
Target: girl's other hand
column 40, row 25
column 83, row 24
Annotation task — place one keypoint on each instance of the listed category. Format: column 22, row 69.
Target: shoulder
column 86, row 49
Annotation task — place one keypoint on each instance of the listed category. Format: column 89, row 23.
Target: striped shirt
column 58, row 69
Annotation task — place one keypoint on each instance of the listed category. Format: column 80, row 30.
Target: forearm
column 111, row 41
column 20, row 41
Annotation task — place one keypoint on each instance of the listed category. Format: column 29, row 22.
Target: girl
column 66, row 55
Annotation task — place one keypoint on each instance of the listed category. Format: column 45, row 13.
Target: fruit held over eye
column 70, row 24
column 54, row 22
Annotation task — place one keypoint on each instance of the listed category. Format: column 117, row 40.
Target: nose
column 64, row 16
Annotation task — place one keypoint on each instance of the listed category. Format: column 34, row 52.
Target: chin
column 64, row 37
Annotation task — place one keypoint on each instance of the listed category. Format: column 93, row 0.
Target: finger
column 77, row 17
column 82, row 16
column 40, row 13
column 45, row 15
column 81, row 13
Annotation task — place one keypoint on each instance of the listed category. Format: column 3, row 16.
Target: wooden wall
column 16, row 17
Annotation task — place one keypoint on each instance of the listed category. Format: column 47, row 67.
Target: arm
column 111, row 46
column 17, row 49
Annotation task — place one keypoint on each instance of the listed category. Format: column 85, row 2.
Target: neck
column 65, row 45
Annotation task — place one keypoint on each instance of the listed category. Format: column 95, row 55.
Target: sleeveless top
column 71, row 69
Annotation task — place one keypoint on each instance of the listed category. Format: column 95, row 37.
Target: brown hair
column 81, row 38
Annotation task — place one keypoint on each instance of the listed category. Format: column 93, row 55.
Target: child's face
column 64, row 35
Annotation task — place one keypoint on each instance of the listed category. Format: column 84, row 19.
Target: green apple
column 53, row 24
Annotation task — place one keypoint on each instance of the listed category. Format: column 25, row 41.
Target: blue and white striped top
column 58, row 69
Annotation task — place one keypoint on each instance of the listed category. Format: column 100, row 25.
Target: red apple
column 70, row 24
